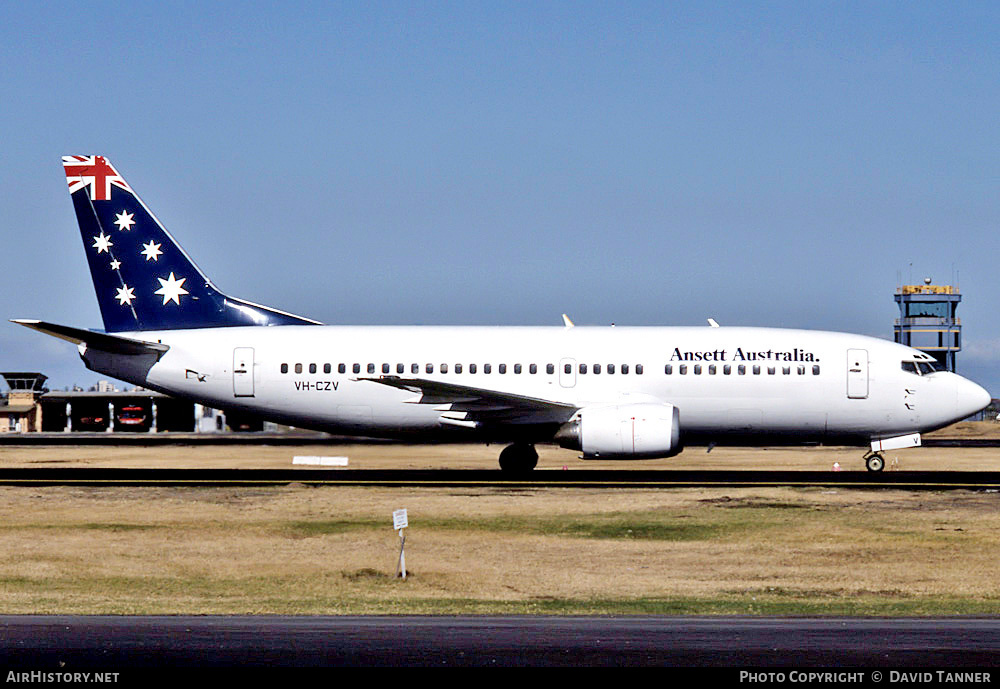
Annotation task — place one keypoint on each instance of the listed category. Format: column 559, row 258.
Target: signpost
column 399, row 522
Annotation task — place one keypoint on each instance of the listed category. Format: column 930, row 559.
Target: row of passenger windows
column 741, row 370
column 596, row 369
column 459, row 368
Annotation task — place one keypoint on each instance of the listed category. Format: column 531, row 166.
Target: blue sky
column 778, row 164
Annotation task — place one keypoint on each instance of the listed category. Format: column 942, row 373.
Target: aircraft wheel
column 518, row 458
column 874, row 462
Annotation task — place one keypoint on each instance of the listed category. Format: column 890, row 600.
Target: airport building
column 29, row 407
column 927, row 320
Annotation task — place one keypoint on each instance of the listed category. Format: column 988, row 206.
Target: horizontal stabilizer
column 94, row 340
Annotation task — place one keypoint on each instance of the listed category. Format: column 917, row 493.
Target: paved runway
column 71, row 643
column 576, row 478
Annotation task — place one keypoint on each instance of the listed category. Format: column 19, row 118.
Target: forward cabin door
column 243, row 372
column 857, row 373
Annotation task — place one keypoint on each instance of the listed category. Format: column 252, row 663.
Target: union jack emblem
column 94, row 171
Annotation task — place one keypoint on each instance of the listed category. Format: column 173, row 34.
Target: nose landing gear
column 519, row 458
column 874, row 461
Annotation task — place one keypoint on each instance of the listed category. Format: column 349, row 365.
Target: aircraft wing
column 464, row 405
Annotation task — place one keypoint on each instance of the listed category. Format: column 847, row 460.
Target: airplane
column 615, row 393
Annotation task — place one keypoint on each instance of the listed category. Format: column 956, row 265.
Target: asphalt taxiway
column 70, row 643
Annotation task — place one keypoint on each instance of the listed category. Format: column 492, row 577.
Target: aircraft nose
column 970, row 397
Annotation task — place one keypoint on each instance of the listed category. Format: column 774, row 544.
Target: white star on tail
column 102, row 243
column 116, row 264
column 151, row 250
column 124, row 221
column 171, row 289
column 125, row 295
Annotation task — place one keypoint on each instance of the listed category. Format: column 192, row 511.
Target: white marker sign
column 399, row 520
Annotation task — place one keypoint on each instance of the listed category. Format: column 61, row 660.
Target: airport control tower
column 927, row 320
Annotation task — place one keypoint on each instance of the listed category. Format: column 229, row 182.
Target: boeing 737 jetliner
column 611, row 393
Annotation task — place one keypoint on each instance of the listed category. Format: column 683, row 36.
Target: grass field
column 332, row 550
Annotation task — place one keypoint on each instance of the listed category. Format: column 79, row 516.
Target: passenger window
column 568, row 368
column 532, row 369
column 682, row 369
column 697, row 369
column 487, row 368
column 298, row 368
column 597, row 368
column 458, row 368
column 741, row 369
column 583, row 368
column 502, row 368
column 385, row 368
column 284, row 368
column 815, row 370
column 727, row 369
column 341, row 368
column 414, row 368
column 312, row 368
column 517, row 368
column 611, row 368
column 429, row 368
column 624, row 369
column 668, row 369
column 711, row 369
column 550, row 369
column 756, row 370
column 770, row 370
column 638, row 369
column 472, row 368
column 327, row 368
column 786, row 370
column 802, row 370
column 371, row 368
column 444, row 368
column 356, row 368
column 400, row 368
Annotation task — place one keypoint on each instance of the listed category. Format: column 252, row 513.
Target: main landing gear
column 519, row 458
column 874, row 461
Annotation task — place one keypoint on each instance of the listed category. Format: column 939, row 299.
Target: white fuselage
column 726, row 382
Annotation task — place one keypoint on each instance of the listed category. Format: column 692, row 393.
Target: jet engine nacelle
column 624, row 431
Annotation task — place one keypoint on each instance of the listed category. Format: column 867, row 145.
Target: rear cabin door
column 243, row 372
column 857, row 373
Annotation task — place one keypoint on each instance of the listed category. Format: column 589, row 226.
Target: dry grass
column 332, row 550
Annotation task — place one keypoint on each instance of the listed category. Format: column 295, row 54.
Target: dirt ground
column 390, row 456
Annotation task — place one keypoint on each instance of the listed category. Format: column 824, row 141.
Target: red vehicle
column 131, row 416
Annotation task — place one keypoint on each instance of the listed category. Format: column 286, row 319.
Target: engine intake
column 625, row 431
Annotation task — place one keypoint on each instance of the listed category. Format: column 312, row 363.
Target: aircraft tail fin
column 144, row 280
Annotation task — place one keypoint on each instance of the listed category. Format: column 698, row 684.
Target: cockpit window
column 922, row 368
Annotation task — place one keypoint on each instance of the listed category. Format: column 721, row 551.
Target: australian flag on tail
column 143, row 278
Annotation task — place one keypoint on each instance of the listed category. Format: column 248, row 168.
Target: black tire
column 875, row 463
column 519, row 458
